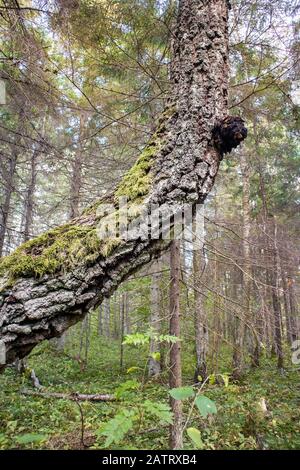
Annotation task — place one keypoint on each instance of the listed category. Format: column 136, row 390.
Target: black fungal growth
column 229, row 133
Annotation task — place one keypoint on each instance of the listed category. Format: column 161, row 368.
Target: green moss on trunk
column 56, row 250
column 77, row 242
column 137, row 181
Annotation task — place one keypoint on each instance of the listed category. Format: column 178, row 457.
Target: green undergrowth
column 47, row 423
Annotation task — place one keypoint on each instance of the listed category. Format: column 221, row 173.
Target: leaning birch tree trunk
column 52, row 281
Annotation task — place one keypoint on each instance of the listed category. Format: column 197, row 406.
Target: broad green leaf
column 30, row 438
column 195, row 435
column 205, row 406
column 181, row 393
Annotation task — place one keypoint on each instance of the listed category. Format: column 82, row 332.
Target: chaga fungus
column 229, row 133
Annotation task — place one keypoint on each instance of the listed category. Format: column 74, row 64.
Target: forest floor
column 50, row 423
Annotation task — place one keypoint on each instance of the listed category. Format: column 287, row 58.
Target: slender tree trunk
column 29, row 199
column 116, row 299
column 201, row 327
column 293, row 319
column 236, row 320
column 175, row 350
column 100, row 320
column 164, row 310
column 155, row 320
column 123, row 310
column 8, row 191
column 76, row 173
column 273, row 264
column 106, row 316
column 127, row 314
column 185, row 273
column 87, row 338
column 238, row 358
column 286, row 304
column 83, row 335
column 215, row 341
column 275, row 299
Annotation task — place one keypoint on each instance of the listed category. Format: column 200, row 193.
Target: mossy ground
column 236, row 425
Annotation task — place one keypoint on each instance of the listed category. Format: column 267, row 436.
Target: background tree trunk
column 77, row 168
column 8, row 191
column 274, row 272
column 100, row 320
column 293, row 317
column 201, row 326
column 28, row 212
column 238, row 357
column 175, row 349
column 123, row 312
column 106, row 317
column 155, row 319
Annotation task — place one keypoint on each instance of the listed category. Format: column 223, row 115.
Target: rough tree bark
column 57, row 282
